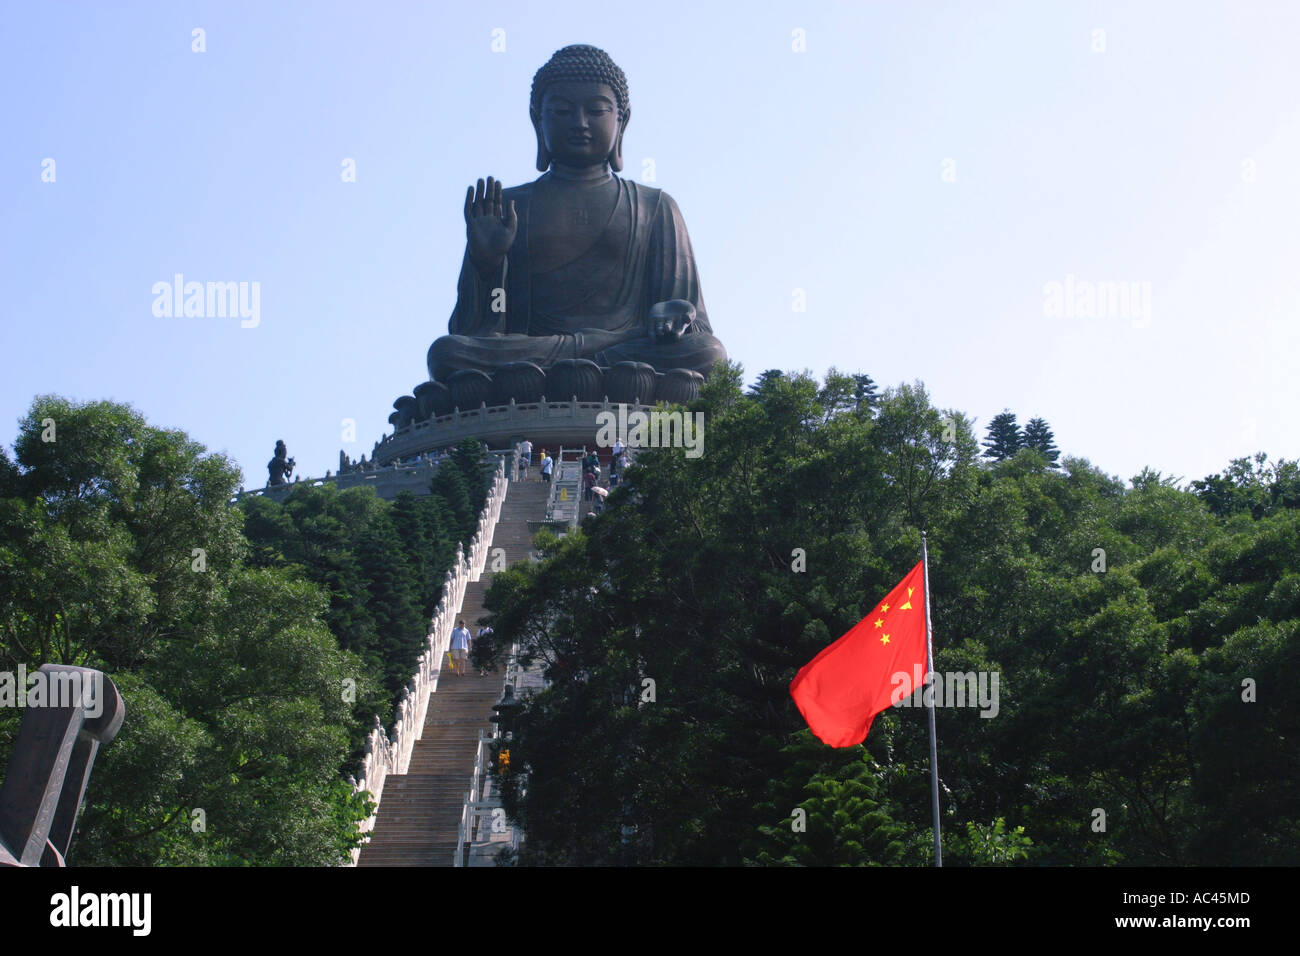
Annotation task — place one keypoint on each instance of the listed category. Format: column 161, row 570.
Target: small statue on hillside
column 281, row 466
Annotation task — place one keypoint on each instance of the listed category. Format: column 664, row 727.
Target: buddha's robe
column 594, row 306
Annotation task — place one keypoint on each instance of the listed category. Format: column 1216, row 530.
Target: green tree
column 119, row 550
column 1038, row 436
column 921, row 446
column 991, row 845
column 864, row 393
column 765, row 381
column 688, row 580
column 471, row 460
column 1121, row 621
column 423, row 523
column 382, row 565
column 840, row 820
column 1252, row 486
column 392, row 599
column 1004, row 437
column 246, row 723
column 450, row 485
column 317, row 529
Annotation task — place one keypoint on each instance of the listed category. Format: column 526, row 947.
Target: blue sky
column 1170, row 158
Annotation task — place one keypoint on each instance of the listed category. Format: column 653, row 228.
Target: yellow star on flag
column 884, row 609
column 880, row 622
column 885, row 639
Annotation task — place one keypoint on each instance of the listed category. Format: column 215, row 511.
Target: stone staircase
column 566, row 506
column 419, row 815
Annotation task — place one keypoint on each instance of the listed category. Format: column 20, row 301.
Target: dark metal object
column 679, row 386
column 470, row 388
column 579, row 265
column 522, row 381
column 51, row 764
column 407, row 408
column 575, row 378
column 428, row 396
column 628, row 382
column 506, row 710
column 281, row 466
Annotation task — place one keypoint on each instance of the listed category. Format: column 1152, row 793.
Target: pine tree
column 1004, row 437
column 1039, row 437
column 864, row 392
column 449, row 484
column 393, row 598
column 766, row 381
column 421, row 524
column 470, row 457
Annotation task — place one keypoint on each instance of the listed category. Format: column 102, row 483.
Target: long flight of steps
column 568, row 483
column 420, row 811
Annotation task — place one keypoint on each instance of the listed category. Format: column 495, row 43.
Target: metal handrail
column 560, row 476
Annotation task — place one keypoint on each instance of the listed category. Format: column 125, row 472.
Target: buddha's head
column 579, row 109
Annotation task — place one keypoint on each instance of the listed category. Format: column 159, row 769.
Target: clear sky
column 921, row 171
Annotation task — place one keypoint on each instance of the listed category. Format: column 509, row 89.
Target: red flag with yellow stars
column 842, row 689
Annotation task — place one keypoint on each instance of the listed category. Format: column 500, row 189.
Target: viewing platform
column 546, row 424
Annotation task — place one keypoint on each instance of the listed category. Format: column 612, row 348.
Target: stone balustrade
column 387, row 481
column 546, row 423
column 391, row 753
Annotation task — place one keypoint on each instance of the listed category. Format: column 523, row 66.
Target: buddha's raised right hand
column 490, row 225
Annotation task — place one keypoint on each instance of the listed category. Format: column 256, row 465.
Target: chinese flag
column 842, row 689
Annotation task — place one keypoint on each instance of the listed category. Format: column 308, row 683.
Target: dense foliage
column 252, row 647
column 1146, row 637
column 1147, row 641
column 381, row 564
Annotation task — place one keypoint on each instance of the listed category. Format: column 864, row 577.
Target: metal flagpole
column 929, row 693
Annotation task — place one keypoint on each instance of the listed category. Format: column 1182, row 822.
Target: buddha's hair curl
column 584, row 63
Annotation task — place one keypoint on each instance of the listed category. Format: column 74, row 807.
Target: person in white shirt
column 525, row 456
column 460, row 648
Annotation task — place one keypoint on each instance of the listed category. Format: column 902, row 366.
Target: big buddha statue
column 580, row 281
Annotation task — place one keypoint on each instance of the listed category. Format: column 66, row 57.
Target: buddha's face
column 579, row 122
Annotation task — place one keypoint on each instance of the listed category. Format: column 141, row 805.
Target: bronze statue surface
column 280, row 467
column 570, row 275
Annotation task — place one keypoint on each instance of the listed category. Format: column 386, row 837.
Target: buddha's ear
column 616, row 157
column 543, row 154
